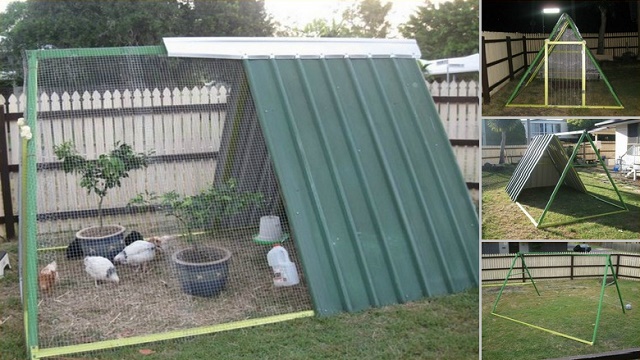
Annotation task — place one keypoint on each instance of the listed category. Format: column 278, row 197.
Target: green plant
column 104, row 173
column 204, row 210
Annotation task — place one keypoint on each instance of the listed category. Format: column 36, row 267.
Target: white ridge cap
column 287, row 47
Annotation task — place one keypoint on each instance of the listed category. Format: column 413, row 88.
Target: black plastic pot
column 107, row 246
column 203, row 271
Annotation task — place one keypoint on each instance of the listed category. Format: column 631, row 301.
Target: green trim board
column 551, row 80
column 545, row 163
column 608, row 266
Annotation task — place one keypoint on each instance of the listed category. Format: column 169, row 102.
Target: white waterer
column 284, row 270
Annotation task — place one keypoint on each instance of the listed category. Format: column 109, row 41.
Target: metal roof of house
column 379, row 210
column 541, row 165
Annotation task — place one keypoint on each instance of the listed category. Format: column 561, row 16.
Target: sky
column 301, row 12
column 525, row 16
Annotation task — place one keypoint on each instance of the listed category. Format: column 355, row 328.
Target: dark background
column 525, row 16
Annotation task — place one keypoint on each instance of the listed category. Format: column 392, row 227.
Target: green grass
column 503, row 219
column 437, row 328
column 623, row 77
column 564, row 306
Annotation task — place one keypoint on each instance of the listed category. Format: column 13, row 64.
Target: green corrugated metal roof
column 379, row 208
column 541, row 165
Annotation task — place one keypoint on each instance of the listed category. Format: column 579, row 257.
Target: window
column 632, row 133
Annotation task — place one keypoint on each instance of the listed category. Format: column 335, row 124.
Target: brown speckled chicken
column 48, row 277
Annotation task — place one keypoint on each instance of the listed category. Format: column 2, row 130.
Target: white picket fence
column 175, row 133
column 461, row 122
column 107, row 117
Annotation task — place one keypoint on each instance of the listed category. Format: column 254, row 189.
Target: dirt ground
column 77, row 311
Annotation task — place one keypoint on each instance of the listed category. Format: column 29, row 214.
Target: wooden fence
column 506, row 54
column 458, row 106
column 513, row 153
column 183, row 126
column 558, row 266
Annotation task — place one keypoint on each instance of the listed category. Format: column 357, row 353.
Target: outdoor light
column 553, row 10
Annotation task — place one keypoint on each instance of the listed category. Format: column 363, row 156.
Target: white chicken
column 100, row 268
column 139, row 253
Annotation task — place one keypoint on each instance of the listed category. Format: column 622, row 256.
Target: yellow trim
column 134, row 340
column 566, row 42
column 584, row 75
column 580, row 219
column 543, row 329
column 546, row 72
column 535, row 223
column 56, row 248
column 507, row 284
column 568, row 106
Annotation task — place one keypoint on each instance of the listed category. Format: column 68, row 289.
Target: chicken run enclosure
column 228, row 147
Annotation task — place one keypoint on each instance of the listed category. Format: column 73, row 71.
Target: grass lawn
column 437, row 328
column 565, row 306
column 503, row 219
column 623, row 77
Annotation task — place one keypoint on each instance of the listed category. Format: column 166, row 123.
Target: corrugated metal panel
column 542, row 165
column 380, row 214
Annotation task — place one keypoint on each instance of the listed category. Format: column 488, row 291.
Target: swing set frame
column 521, row 256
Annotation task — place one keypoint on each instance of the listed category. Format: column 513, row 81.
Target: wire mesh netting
column 167, row 154
column 563, row 67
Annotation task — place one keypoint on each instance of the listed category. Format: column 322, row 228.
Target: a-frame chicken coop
column 545, row 164
column 339, row 137
column 564, row 74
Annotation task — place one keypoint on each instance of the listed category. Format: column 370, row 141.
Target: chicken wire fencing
column 139, row 165
column 564, row 74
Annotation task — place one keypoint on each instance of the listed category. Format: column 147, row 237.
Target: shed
column 364, row 166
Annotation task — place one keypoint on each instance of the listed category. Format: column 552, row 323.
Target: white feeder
column 270, row 229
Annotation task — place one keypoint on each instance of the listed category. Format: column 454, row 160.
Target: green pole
column 615, row 280
column 564, row 174
column 529, row 274
column 593, row 146
column 28, row 209
column 504, row 284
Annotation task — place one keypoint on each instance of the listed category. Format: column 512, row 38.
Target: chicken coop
column 231, row 182
column 565, row 74
column 547, row 164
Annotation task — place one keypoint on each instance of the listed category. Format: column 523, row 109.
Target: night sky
column 527, row 17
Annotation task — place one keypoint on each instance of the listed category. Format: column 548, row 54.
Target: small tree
column 503, row 127
column 205, row 210
column 102, row 174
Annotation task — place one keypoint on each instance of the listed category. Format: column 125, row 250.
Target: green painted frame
column 28, row 224
column 549, row 45
column 621, row 208
column 608, row 265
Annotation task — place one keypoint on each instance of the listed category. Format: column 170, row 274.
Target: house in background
column 504, row 247
column 452, row 66
column 627, row 147
column 535, row 127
